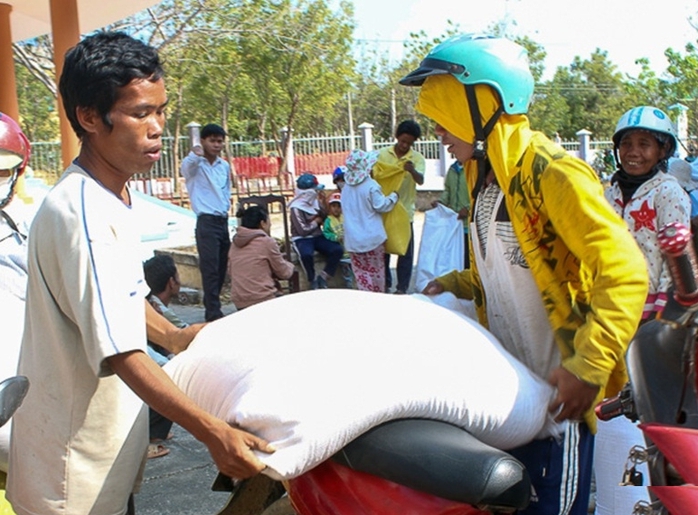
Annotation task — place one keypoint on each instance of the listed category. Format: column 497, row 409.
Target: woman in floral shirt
column 645, row 195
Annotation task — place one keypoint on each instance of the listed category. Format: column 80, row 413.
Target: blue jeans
column 332, row 251
column 404, row 267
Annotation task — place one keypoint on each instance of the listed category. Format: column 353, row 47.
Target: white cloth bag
column 265, row 370
column 441, row 249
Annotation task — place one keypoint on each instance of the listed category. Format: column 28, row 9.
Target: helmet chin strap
column 10, row 184
column 480, row 143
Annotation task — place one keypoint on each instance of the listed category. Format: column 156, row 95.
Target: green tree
column 682, row 85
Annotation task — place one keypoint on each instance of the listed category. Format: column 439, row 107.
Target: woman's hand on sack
column 574, row 396
column 433, row 288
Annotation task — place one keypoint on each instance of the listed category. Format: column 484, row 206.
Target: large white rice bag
column 311, row 371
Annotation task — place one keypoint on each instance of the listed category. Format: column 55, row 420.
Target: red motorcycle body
column 332, row 489
column 413, row 467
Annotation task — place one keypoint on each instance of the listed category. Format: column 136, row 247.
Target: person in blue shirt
column 209, row 185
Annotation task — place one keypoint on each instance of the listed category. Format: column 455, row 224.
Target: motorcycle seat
column 440, row 459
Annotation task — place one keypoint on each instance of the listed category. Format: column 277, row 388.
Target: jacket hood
column 442, row 98
column 243, row 236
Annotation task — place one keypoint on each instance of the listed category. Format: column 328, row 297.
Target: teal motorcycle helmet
column 481, row 59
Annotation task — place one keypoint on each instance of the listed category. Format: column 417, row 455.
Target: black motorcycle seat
column 440, row 459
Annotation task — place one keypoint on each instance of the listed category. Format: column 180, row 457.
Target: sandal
column 156, row 450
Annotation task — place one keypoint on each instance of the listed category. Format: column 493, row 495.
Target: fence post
column 366, row 136
column 443, row 160
column 681, row 128
column 584, row 137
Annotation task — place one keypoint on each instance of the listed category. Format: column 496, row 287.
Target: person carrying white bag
column 441, row 248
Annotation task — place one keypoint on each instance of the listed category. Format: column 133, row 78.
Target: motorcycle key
column 631, row 477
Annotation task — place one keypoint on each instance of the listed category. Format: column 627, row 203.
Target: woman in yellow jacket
column 555, row 274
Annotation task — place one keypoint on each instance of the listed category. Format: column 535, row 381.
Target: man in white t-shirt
column 80, row 437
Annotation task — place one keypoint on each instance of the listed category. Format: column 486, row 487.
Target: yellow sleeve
column 457, row 282
column 613, row 267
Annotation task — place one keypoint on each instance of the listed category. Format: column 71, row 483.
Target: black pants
column 213, row 243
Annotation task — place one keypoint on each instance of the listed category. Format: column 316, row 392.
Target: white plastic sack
column 311, row 371
column 441, row 249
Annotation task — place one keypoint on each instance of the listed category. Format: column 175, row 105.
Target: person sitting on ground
column 333, row 230
column 255, row 261
column 307, row 219
column 162, row 278
column 338, row 177
column 364, row 233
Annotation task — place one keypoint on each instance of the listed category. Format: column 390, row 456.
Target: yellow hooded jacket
column 588, row 268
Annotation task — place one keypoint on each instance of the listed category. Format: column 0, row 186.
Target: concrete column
column 366, row 136
column 584, row 137
column 65, row 31
column 681, row 125
column 443, row 160
column 8, row 85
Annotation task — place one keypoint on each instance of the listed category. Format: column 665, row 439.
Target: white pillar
column 681, row 125
column 366, row 136
column 584, row 137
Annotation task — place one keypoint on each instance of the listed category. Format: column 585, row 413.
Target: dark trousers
column 332, row 251
column 159, row 426
column 466, row 261
column 560, row 472
column 404, row 267
column 212, row 243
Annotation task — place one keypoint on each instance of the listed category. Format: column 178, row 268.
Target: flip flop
column 156, row 450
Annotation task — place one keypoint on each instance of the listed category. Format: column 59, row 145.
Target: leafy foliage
column 257, row 66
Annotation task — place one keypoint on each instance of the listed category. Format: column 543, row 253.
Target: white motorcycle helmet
column 651, row 119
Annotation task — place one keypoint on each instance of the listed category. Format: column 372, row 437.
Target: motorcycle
column 662, row 391
column 12, row 393
column 405, row 466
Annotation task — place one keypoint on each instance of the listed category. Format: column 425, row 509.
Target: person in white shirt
column 208, row 184
column 80, row 437
column 364, row 234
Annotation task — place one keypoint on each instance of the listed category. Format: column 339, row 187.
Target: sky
column 626, row 29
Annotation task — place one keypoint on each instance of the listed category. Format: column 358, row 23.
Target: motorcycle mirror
column 12, row 392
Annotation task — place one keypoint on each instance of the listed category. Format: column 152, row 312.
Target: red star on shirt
column 644, row 217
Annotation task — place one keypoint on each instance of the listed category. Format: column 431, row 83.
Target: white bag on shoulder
column 441, row 249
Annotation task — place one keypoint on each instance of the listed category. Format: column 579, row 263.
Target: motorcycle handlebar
column 609, row 409
column 676, row 244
